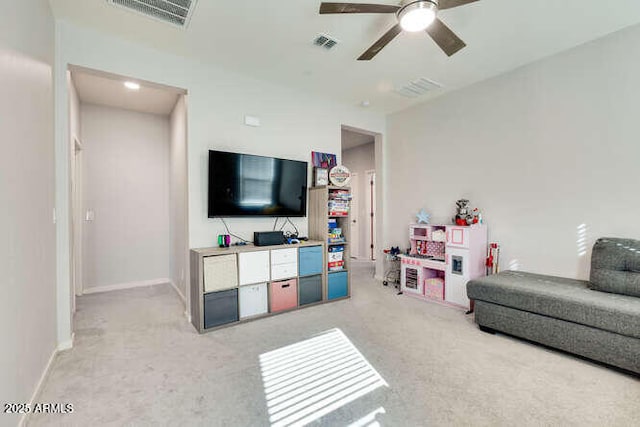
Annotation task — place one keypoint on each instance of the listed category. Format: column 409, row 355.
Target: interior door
column 356, row 216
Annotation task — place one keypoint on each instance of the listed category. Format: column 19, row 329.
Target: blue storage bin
column 310, row 260
column 337, row 285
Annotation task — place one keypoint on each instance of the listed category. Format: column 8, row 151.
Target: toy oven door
column 457, row 265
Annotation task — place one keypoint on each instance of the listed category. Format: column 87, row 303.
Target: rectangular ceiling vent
column 325, row 41
column 418, row 88
column 175, row 12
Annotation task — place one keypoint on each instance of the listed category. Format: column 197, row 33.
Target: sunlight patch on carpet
column 310, row 379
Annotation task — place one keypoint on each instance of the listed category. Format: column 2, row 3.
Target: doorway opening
column 359, row 155
column 129, row 191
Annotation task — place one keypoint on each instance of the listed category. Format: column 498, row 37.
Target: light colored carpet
column 136, row 361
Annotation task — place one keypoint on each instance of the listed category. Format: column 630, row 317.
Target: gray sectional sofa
column 598, row 319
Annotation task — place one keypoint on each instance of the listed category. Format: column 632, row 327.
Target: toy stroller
column 392, row 275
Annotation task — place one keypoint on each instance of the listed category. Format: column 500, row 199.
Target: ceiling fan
column 413, row 16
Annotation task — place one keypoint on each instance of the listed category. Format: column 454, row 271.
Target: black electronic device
column 248, row 185
column 268, row 238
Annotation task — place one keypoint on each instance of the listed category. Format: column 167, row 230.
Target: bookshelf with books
column 329, row 220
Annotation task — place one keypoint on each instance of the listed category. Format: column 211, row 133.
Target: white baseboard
column 67, row 345
column 180, row 294
column 120, row 286
column 38, row 389
column 187, row 314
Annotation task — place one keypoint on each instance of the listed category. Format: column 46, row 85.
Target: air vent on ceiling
column 418, row 88
column 175, row 12
column 325, row 41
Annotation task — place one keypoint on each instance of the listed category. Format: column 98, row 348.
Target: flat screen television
column 247, row 185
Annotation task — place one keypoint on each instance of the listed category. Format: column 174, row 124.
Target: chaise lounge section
column 597, row 319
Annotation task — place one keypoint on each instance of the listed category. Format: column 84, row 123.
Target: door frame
column 379, row 149
column 372, row 214
column 356, row 250
column 76, row 220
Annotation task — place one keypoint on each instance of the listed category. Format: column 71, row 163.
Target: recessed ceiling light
column 365, row 103
column 132, row 85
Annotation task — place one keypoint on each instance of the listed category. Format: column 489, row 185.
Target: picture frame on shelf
column 324, row 160
column 320, row 176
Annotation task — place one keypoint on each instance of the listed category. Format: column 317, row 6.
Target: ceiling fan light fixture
column 417, row 16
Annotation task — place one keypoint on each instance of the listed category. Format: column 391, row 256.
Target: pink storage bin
column 434, row 288
column 283, row 295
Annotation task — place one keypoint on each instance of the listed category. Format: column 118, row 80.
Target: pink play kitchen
column 442, row 259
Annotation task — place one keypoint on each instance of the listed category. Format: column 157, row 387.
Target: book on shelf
column 340, row 195
column 338, row 203
column 335, row 256
column 336, row 265
column 334, row 232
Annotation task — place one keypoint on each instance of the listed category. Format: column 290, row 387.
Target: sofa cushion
column 615, row 266
column 561, row 298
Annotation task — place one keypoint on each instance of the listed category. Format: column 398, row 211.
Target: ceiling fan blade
column 381, row 43
column 450, row 4
column 445, row 38
column 326, row 8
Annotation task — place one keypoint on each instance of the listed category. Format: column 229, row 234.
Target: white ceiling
column 351, row 139
column 108, row 89
column 271, row 40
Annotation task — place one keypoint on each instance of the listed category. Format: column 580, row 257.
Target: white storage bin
column 254, row 300
column 254, row 267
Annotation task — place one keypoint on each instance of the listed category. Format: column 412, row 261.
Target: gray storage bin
column 220, row 308
column 310, row 289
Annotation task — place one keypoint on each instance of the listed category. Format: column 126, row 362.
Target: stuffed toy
column 463, row 213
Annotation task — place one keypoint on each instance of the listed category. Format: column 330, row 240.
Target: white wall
column 541, row 150
column 126, row 185
column 27, row 246
column 293, row 124
column 178, row 198
column 360, row 160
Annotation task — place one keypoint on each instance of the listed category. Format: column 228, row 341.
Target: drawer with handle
column 284, row 271
column 284, row 256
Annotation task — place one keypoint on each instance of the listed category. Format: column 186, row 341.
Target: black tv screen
column 246, row 185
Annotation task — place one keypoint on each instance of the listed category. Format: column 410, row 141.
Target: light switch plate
column 252, row 121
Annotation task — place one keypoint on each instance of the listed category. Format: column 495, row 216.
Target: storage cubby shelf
column 239, row 284
column 320, row 216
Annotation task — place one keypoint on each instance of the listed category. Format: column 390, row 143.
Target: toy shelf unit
column 330, row 221
column 442, row 259
column 242, row 283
